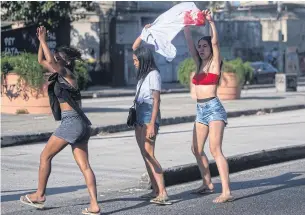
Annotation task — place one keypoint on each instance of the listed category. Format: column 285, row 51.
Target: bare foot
column 94, row 208
column 35, row 198
column 88, row 211
column 224, row 198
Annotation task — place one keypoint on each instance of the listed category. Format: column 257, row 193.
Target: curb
column 90, row 95
column 7, row 141
column 190, row 172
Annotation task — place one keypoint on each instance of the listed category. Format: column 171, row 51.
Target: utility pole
column 280, row 36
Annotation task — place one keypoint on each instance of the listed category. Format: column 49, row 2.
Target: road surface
column 118, row 164
column 271, row 190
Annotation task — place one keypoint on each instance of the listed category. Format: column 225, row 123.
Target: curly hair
column 71, row 54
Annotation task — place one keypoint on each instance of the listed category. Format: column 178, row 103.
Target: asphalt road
column 277, row 189
column 118, row 165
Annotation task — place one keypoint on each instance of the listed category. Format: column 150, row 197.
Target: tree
column 49, row 13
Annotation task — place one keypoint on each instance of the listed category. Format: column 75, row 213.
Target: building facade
column 249, row 30
column 115, row 26
column 276, row 27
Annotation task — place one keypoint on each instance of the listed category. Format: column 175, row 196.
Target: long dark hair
column 209, row 41
column 146, row 61
column 71, row 54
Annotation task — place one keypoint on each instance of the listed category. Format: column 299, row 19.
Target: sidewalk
column 167, row 88
column 109, row 114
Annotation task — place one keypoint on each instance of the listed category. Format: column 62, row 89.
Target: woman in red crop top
column 211, row 116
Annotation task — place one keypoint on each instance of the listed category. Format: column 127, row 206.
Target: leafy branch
column 48, row 13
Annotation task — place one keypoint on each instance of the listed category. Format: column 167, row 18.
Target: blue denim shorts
column 211, row 110
column 144, row 112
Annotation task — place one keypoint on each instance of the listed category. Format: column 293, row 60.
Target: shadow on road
column 103, row 110
column 262, row 98
column 285, row 181
column 49, row 191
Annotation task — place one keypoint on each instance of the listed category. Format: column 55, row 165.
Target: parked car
column 263, row 73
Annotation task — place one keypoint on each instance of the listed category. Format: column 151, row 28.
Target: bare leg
column 53, row 146
column 216, row 136
column 80, row 152
column 156, row 169
column 138, row 132
column 200, row 134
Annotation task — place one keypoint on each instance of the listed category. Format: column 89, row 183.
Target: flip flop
column 161, row 201
column 87, row 212
column 224, row 200
column 148, row 196
column 27, row 201
column 203, row 191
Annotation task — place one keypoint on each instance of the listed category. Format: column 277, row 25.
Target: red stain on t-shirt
column 194, row 18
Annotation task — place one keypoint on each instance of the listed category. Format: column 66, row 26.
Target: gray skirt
column 72, row 128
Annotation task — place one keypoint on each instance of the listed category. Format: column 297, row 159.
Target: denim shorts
column 144, row 112
column 211, row 110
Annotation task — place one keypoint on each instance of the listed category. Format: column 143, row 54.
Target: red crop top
column 205, row 79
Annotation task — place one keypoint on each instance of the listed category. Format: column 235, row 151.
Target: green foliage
column 81, row 70
column 48, row 13
column 6, row 64
column 29, row 70
column 243, row 70
column 185, row 69
column 26, row 66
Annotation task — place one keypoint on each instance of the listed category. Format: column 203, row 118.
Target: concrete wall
column 270, row 30
column 240, row 39
column 85, row 36
column 296, row 34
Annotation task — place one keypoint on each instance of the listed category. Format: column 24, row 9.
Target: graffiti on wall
column 24, row 39
column 9, row 46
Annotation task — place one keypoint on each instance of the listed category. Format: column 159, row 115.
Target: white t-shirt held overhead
column 151, row 82
column 165, row 28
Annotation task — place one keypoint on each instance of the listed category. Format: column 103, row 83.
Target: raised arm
column 42, row 35
column 214, row 37
column 45, row 57
column 40, row 55
column 191, row 46
column 138, row 41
